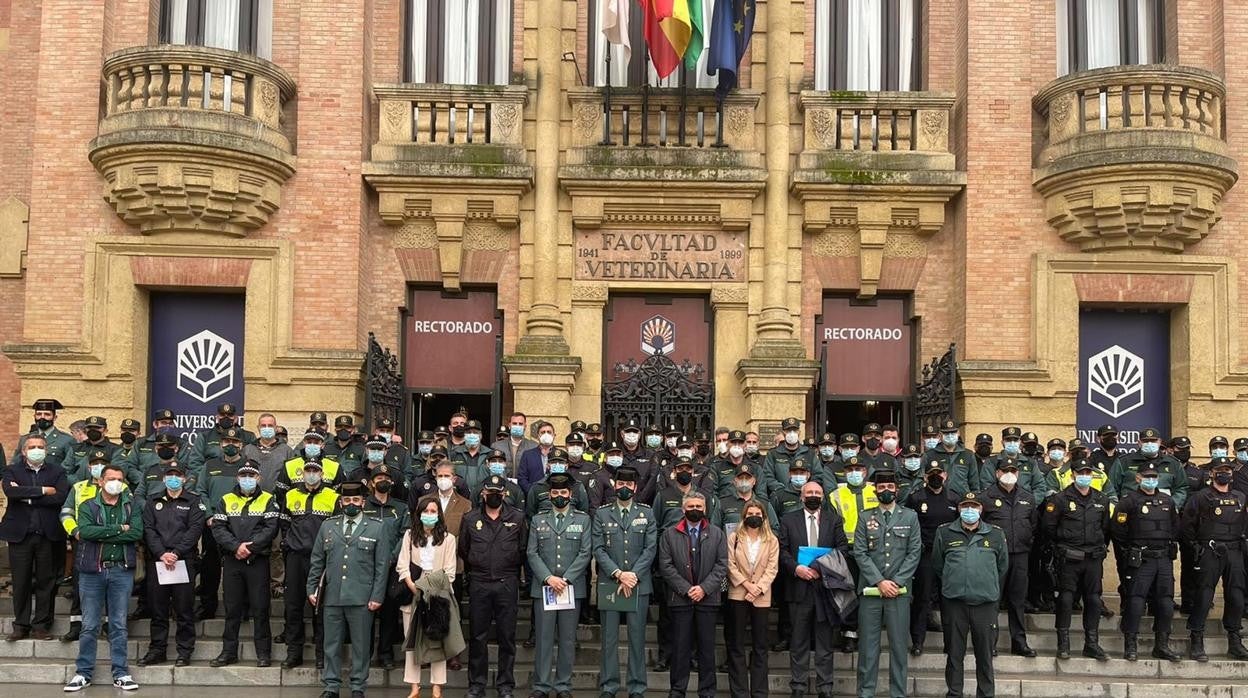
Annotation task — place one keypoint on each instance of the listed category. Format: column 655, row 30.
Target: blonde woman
column 427, row 566
column 753, row 560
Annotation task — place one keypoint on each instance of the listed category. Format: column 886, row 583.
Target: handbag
column 398, row 590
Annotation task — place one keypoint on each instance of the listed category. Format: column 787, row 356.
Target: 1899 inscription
column 660, row 256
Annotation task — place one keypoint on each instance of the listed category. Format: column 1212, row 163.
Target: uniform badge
column 923, row 508
column 479, row 524
column 1122, row 518
column 998, row 502
column 1072, row 506
column 1050, row 506
column 872, row 524
column 160, row 505
column 1217, row 511
column 1144, row 509
column 987, row 544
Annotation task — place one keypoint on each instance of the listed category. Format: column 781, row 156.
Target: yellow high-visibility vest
column 850, row 504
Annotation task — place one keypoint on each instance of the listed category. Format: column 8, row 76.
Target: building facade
column 487, row 187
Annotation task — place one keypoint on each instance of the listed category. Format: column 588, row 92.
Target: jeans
column 109, row 587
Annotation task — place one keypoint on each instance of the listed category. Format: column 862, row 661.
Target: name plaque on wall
column 660, row 256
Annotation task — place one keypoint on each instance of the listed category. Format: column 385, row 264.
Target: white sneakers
column 77, row 684
column 125, row 683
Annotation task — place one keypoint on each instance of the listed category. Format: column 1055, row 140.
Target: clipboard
column 610, row 598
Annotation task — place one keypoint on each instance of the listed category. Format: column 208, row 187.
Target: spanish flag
column 671, row 33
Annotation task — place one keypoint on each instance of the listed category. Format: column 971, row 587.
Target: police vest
column 235, row 505
column 1066, row 477
column 299, row 502
column 1220, row 516
column 294, row 469
column 82, row 492
column 846, row 502
column 1151, row 522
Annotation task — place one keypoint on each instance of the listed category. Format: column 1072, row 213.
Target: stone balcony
column 874, row 175
column 191, row 138
column 449, row 167
column 1134, row 156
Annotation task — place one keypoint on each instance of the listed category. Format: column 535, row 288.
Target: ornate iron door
column 659, row 391
column 383, row 385
column 935, row 397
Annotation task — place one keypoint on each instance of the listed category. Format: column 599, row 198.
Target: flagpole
column 606, row 117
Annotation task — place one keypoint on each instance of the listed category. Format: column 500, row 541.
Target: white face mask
column 670, row 441
column 445, row 484
column 114, row 487
column 890, row 444
column 575, row 452
column 546, row 438
column 751, row 448
column 684, row 453
column 1009, row 479
column 722, row 447
column 736, row 451
column 631, row 438
column 792, row 438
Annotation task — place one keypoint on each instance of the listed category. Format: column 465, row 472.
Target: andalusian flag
column 695, row 37
column 673, row 33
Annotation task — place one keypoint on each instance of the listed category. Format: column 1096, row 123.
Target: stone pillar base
column 543, row 386
column 775, row 388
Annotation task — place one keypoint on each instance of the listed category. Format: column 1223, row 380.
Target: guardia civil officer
column 58, row 443
column 935, row 505
column 1077, row 520
column 872, row 450
column 173, row 521
column 791, row 450
column 1214, row 522
column 960, row 463
column 972, row 560
column 1012, row 509
column 210, row 443
column 393, row 513
column 887, row 547
column 1146, row 528
column 492, row 544
column 559, row 549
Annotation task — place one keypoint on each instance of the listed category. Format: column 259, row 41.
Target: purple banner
column 196, row 351
column 1124, row 374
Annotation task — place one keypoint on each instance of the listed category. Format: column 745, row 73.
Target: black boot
column 75, row 629
column 1091, row 646
column 1129, row 646
column 1063, row 644
column 1235, row 646
column 293, row 659
column 1161, row 648
column 1197, row 649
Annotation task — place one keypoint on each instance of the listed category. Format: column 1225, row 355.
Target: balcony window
column 458, row 42
column 638, row 70
column 869, row 45
column 237, row 25
column 1101, row 33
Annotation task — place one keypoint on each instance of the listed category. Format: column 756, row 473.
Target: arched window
column 458, row 42
column 870, row 45
column 1100, row 33
column 237, row 25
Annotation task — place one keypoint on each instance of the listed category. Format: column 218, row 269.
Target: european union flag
column 732, row 25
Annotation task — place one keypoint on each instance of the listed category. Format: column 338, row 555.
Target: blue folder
column 806, row 555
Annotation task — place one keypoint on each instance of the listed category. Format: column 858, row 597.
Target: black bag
column 399, row 592
column 435, row 615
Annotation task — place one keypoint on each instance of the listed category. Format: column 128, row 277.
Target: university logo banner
column 1124, row 374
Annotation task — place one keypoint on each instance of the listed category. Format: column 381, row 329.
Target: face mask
column 311, row 450
column 1009, row 479
column 558, row 468
column 429, row 520
column 457, row 432
column 871, row 444
column 1242, row 456
column 983, row 450
column 623, row 493
column 791, row 438
column 797, row 480
column 751, row 448
column 1109, row 443
column 1218, row 453
column 1084, row 481
column 247, row 484
column 173, row 482
column 575, row 452
column 736, row 452
column 375, row 456
column 615, row 461
column 950, row 439
column 96, row 471
column 445, row 484
column 127, row 438
column 516, row 431
column 424, row 449
column 1223, row 478
column 970, row 515
column 472, row 439
column 383, row 486
column 560, row 502
column 494, row 500
column 351, row 510
column 684, row 477
column 167, row 430
column 855, row 478
column 890, row 444
column 498, row 469
column 684, row 453
column 670, row 441
column 930, row 443
column 754, row 521
column 312, row 479
column 166, row 453
column 652, row 441
column 94, row 435
column 1183, row 454
column 114, row 487
column 546, row 438
column 704, row 449
column 36, row 455
column 1150, row 448
column 595, row 444
column 1056, row 455
column 912, row 464
column 1031, row 449
column 695, row 515
column 935, row 481
column 721, row 447
column 1012, row 447
column 847, row 453
column 886, row 496
column 267, row 432
column 812, row 503
column 827, row 451
column 744, row 486
column 1149, row 483
column 43, row 424
column 225, row 422
column 231, row 450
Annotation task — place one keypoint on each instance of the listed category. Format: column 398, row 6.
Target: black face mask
column 383, row 486
column 695, row 515
column 595, row 444
column 342, row 434
column 458, row 432
column 127, row 438
column 494, row 501
column 872, row 444
column 983, row 450
column 1183, row 454
column 1223, row 478
column 624, row 493
column 560, row 501
column 813, row 503
column 225, row 422
column 94, row 435
column 1109, row 443
column 886, row 496
column 684, row 477
column 935, row 481
column 166, row 452
column 703, row 449
column 754, row 521
column 230, row 450
column 1031, row 449
column 43, row 424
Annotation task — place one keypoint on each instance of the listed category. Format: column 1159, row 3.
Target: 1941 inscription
column 660, row 256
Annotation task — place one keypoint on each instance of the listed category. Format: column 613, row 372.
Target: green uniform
column 1030, row 477
column 1171, row 478
column 394, row 515
column 776, row 465
column 971, row 564
column 142, row 455
column 730, row 509
column 207, row 446
column 354, row 560
column 538, row 499
column 786, row 499
column 559, row 546
column 669, row 506
column 59, row 446
column 471, row 467
column 75, row 462
column 625, row 542
column 961, row 465
column 886, row 546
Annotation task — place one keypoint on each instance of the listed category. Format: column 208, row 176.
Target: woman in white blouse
column 426, row 565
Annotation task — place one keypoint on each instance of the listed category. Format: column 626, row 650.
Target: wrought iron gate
column 934, row 397
column 659, row 391
column 383, row 385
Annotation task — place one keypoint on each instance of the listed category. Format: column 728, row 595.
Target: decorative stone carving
column 730, row 294
column 831, row 243
column 417, row 233
column 586, row 120
column 589, row 294
column 485, row 235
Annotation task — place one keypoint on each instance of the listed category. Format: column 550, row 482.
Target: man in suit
column 515, row 444
column 814, row 525
column 35, row 490
column 693, row 561
column 533, row 463
column 348, row 600
column 625, row 535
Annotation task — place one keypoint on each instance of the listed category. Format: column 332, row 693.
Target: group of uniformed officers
column 849, row 537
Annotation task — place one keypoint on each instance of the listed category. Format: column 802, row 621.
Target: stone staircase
column 51, row 662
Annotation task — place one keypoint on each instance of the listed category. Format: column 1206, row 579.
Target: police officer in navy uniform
column 1146, row 527
column 1012, row 508
column 1077, row 520
column 983, row 449
column 1215, row 524
column 935, row 506
column 173, row 521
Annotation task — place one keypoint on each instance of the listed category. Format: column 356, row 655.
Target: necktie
column 350, row 527
column 888, row 515
column 812, row 531
column 559, row 522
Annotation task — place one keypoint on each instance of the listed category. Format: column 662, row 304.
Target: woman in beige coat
column 428, row 550
column 753, row 559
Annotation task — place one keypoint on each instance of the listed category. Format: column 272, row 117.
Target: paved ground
column 100, row 690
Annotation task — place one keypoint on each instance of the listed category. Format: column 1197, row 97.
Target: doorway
column 849, row 416
column 432, row 410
